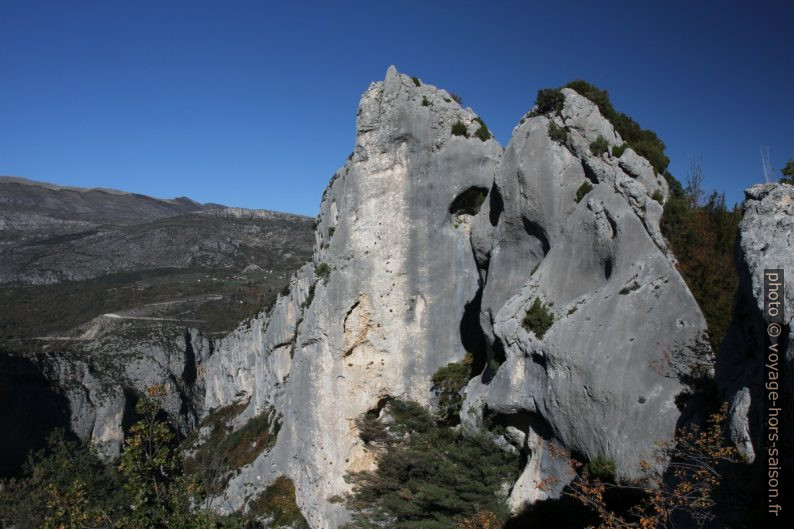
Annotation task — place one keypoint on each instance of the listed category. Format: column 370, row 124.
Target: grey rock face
column 766, row 241
column 430, row 244
column 595, row 381
column 379, row 308
column 102, row 374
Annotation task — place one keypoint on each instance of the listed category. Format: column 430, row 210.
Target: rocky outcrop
column 379, row 308
column 100, row 376
column 596, row 381
column 766, row 241
column 429, row 245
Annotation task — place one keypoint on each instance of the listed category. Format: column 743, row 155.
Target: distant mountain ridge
column 51, row 233
column 29, row 206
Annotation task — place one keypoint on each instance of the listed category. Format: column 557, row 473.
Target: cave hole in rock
column 469, row 201
column 496, row 205
column 472, row 336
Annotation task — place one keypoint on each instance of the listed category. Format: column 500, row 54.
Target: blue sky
column 253, row 103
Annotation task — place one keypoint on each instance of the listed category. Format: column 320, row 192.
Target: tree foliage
column 64, row 484
column 702, row 236
column 788, row 173
column 429, row 475
column 698, row 461
column 67, row 486
column 448, row 382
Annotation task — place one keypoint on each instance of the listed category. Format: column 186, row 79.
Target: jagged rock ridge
column 429, row 245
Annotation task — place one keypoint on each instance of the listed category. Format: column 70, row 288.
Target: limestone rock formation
column 766, row 241
column 379, row 308
column 429, row 245
column 596, row 381
column 101, row 374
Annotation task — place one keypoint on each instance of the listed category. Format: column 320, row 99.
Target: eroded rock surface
column 100, row 375
column 596, row 381
column 429, row 245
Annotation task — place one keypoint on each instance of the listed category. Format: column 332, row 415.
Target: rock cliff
column 431, row 245
column 766, row 239
column 99, row 376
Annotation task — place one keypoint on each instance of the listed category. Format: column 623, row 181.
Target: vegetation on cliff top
column 701, row 230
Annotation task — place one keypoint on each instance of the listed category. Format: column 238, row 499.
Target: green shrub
column 557, row 133
column 323, row 271
column 788, row 173
column 448, row 381
column 629, row 289
column 483, row 133
column 538, row 318
column 425, row 102
column 548, row 100
column 600, row 468
column 277, row 502
column 658, row 196
column 585, row 188
column 431, row 475
column 644, row 142
column 416, row 81
column 459, row 129
column 456, row 97
column 618, row 150
column 599, row 146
